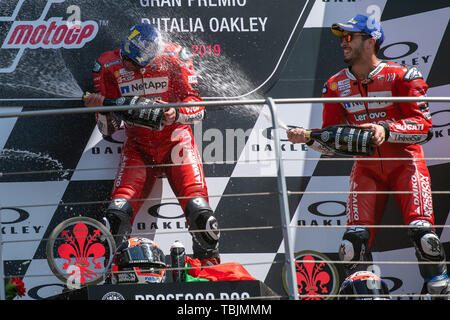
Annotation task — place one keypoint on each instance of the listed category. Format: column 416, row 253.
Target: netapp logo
column 145, row 86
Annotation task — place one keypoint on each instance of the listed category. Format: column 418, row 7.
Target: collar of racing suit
column 373, row 73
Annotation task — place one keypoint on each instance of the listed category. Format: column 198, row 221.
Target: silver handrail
column 272, row 105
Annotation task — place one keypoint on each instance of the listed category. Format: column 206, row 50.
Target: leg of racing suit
column 188, row 182
column 362, row 209
column 417, row 211
column 134, row 178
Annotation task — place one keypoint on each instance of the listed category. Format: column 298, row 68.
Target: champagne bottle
column 344, row 139
column 121, row 101
column 145, row 117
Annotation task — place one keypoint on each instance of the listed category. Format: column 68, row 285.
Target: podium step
column 212, row 290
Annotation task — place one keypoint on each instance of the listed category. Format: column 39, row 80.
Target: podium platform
column 211, row 290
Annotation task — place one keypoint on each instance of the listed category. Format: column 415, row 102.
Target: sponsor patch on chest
column 145, row 86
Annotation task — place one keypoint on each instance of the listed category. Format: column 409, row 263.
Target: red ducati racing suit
column 407, row 124
column 169, row 77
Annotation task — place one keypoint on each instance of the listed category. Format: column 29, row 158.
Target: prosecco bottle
column 344, row 139
column 121, row 101
column 145, row 117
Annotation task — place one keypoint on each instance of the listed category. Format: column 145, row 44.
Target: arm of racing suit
column 185, row 88
column 332, row 114
column 415, row 127
column 104, row 83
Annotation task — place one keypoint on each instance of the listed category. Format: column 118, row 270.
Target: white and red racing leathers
column 169, row 77
column 407, row 125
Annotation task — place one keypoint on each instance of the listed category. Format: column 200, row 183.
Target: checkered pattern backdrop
column 290, row 53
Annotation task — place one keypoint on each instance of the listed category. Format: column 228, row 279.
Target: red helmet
column 138, row 260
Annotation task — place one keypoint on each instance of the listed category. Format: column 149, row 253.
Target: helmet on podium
column 138, row 260
column 364, row 285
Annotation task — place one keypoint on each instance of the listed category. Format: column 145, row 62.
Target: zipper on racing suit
column 363, row 90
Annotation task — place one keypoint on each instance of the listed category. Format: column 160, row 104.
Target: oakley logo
column 54, row 33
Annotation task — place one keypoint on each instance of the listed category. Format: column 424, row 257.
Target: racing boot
column 117, row 219
column 209, row 262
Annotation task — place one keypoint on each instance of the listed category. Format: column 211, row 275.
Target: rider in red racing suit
column 169, row 77
column 406, row 125
column 399, row 129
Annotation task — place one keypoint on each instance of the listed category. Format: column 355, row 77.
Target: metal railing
column 271, row 103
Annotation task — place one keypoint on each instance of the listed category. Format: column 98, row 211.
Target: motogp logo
column 53, row 33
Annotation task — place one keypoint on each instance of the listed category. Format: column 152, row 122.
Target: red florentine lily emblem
column 80, row 250
column 311, row 278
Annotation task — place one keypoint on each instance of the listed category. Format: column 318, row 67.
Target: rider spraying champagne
column 155, row 72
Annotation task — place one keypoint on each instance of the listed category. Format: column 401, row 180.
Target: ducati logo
column 53, row 33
